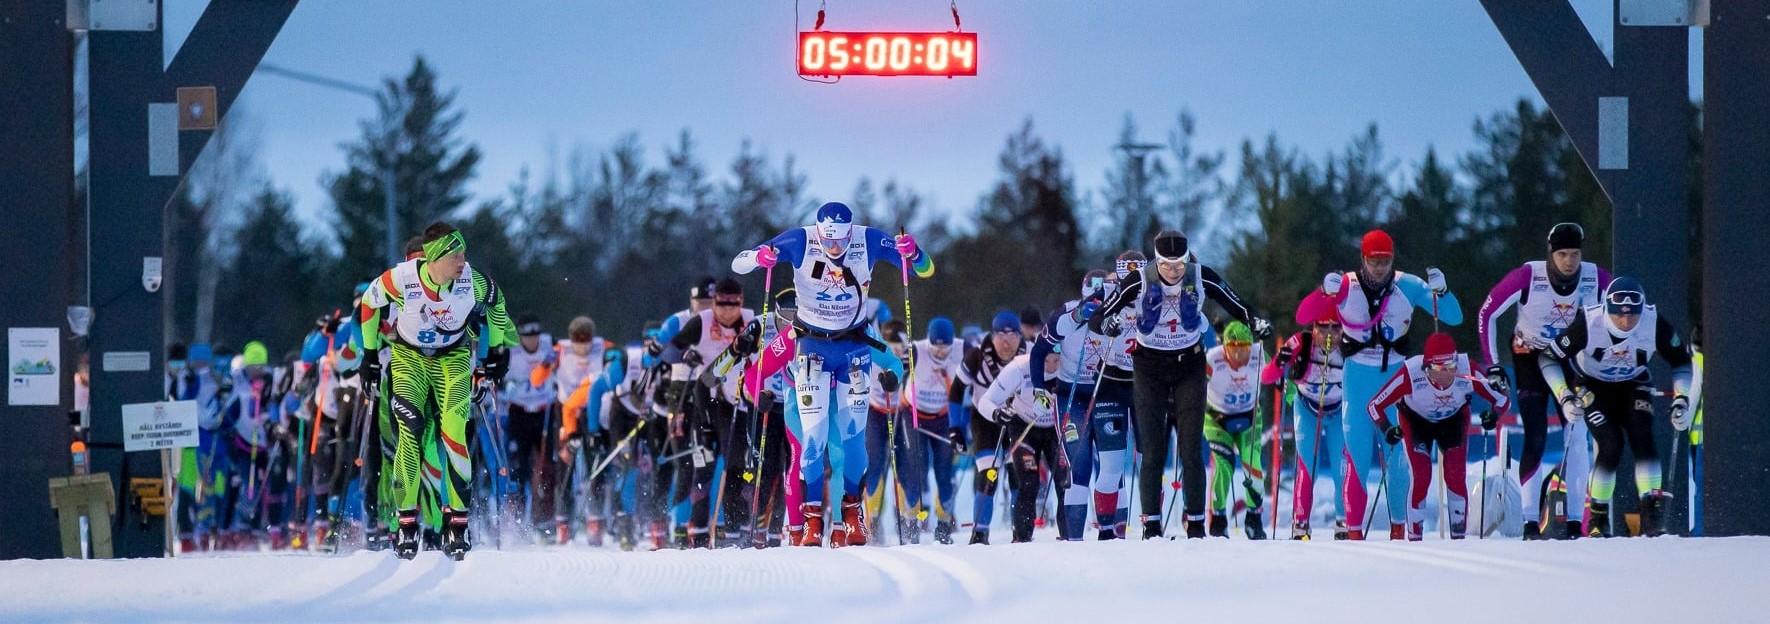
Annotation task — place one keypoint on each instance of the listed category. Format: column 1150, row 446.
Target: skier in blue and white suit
column 832, row 271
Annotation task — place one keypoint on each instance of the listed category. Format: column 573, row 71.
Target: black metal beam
column 128, row 204
column 222, row 51
column 36, row 193
column 1736, row 214
column 1640, row 156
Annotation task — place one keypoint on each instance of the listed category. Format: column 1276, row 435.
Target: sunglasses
column 728, row 304
column 1442, row 365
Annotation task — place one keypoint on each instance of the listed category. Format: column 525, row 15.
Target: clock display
column 887, row 54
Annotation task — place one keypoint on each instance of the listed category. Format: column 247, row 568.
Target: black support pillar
column 36, row 195
column 1736, row 284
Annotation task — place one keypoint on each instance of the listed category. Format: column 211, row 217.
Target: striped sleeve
column 500, row 332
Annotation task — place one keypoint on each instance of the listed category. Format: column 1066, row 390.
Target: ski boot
column 562, row 532
column 1195, row 528
column 1600, row 526
column 679, row 537
column 1300, row 531
column 795, row 535
column 1251, row 524
column 656, row 533
column 1458, row 529
column 1573, row 530
column 323, row 536
column 1397, row 533
column 593, row 531
column 980, row 536
column 376, row 538
column 454, row 534
column 1653, row 512
column 432, row 539
column 1413, row 531
column 1533, row 531
column 1341, row 533
column 813, row 532
column 943, row 531
column 1219, row 525
column 1352, row 535
column 1152, row 528
column 853, row 529
column 405, row 539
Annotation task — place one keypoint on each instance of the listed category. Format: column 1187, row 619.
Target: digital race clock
column 887, row 54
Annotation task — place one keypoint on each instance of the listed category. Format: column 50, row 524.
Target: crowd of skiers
column 423, row 415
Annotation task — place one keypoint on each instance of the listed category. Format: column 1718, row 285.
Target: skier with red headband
column 1431, row 395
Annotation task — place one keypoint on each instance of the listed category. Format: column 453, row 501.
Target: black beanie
column 1566, row 236
column 1171, row 245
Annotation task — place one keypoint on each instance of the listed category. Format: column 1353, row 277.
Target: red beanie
column 1440, row 346
column 1377, row 243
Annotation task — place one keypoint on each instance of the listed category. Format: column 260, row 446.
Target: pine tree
column 430, row 163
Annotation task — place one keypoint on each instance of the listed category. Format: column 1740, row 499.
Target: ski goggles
column 1624, row 302
column 1441, row 365
column 529, row 329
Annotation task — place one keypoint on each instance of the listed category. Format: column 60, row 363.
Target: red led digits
column 887, row 54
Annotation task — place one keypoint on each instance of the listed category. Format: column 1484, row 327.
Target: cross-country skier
column 977, row 371
column 1598, row 370
column 1312, row 364
column 1233, row 426
column 1085, row 434
column 886, row 418
column 1376, row 304
column 530, row 392
column 1028, row 417
column 440, row 302
column 1549, row 294
column 833, row 264
column 577, row 365
column 1431, row 393
column 709, row 423
column 1169, row 367
column 930, row 433
column 768, row 397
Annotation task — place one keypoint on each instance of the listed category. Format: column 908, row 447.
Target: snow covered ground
column 1617, row 580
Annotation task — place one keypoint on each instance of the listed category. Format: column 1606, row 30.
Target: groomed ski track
column 1489, row 581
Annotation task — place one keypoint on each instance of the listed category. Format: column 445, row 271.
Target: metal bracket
column 1658, row 12
column 128, row 15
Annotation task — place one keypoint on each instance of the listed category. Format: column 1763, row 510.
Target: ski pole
column 1481, row 527
column 1382, row 479
column 1175, row 481
column 1672, row 477
column 909, row 324
column 1277, row 467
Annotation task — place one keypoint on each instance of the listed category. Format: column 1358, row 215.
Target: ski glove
column 766, row 256
column 1496, row 377
column 497, row 364
column 957, row 437
column 1435, row 280
column 371, row 367
column 1489, row 420
column 906, row 245
column 1681, row 414
column 1113, row 326
column 481, row 388
column 888, row 381
column 749, row 341
column 1331, row 284
column 1392, row 435
column 1262, row 328
column 692, row 358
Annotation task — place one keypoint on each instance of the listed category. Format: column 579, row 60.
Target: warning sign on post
column 161, row 425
